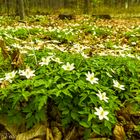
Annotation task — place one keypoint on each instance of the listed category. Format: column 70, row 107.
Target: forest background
column 114, row 7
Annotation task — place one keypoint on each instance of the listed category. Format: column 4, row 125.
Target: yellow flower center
column 92, row 78
column 68, row 67
column 102, row 113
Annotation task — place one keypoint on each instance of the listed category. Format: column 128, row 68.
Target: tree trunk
column 86, row 6
column 8, row 6
column 20, row 9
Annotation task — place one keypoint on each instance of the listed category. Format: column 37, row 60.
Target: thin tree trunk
column 8, row 6
column 20, row 9
column 86, row 6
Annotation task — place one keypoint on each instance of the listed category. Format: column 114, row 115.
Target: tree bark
column 8, row 6
column 86, row 6
column 20, row 9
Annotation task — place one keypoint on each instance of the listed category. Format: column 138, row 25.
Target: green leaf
column 93, row 99
column 78, row 75
column 39, row 90
column 39, row 82
column 25, row 94
column 96, row 128
column 86, row 110
column 74, row 115
column 84, row 96
column 52, row 91
column 42, row 101
column 27, row 109
column 80, row 83
column 137, row 98
column 16, row 99
column 84, row 124
column 40, row 115
column 87, row 133
column 61, row 106
column 66, row 92
column 108, row 124
column 29, row 115
column 90, row 116
column 66, row 120
column 82, row 112
column 56, row 78
column 60, row 86
column 65, row 112
column 57, row 93
column 30, row 122
column 48, row 83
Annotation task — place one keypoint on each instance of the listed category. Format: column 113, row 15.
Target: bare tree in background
column 8, row 6
column 86, row 6
column 20, row 9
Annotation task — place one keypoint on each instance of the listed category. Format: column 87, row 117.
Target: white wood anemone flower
column 118, row 85
column 102, row 96
column 91, row 78
column 84, row 55
column 56, row 59
column 45, row 61
column 68, row 66
column 9, row 76
column 28, row 73
column 102, row 114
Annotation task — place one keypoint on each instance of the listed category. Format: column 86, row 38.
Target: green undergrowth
column 80, row 73
column 72, row 97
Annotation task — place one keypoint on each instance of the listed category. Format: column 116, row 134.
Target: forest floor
column 100, row 34
column 103, row 37
column 116, row 36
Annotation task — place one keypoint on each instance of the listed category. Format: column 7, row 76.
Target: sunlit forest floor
column 87, row 36
column 107, row 36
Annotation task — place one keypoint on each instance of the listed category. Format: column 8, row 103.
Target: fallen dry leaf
column 49, row 135
column 119, row 133
column 4, row 50
column 37, row 130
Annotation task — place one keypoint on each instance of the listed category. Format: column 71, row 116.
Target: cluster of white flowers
column 48, row 59
column 60, row 30
column 28, row 73
column 45, row 61
column 8, row 77
column 90, row 76
column 100, row 112
column 78, row 48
